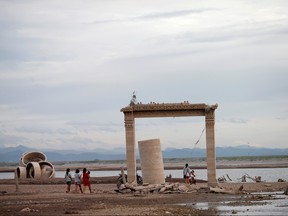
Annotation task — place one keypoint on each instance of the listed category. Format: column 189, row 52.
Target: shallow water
column 267, row 174
column 274, row 203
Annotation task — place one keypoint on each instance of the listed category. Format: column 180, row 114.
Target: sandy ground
column 37, row 197
column 50, row 198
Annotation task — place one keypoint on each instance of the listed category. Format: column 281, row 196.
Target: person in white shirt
column 68, row 180
column 186, row 173
column 77, row 180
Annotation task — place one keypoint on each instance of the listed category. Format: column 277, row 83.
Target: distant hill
column 225, row 152
column 14, row 154
column 10, row 154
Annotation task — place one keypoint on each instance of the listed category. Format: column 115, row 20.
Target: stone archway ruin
column 151, row 110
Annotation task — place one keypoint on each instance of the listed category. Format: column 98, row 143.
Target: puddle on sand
column 274, row 203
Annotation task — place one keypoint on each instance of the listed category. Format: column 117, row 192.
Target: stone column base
column 213, row 184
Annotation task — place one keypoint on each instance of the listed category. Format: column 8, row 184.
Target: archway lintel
column 170, row 108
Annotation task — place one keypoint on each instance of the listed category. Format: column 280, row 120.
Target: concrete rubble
column 173, row 188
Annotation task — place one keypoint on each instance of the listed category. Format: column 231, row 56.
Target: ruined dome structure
column 34, row 165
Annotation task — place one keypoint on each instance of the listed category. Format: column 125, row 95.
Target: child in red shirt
column 86, row 180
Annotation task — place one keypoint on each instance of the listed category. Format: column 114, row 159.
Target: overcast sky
column 67, row 68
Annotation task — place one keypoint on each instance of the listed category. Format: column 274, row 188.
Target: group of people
column 189, row 175
column 78, row 180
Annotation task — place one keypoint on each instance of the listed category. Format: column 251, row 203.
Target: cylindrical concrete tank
column 33, row 170
column 47, row 169
column 21, row 163
column 21, row 172
column 32, row 157
column 151, row 161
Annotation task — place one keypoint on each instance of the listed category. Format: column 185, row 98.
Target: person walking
column 77, row 180
column 68, row 180
column 186, row 173
column 86, row 180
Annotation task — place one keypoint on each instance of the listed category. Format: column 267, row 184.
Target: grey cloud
column 66, row 99
column 172, row 14
column 140, row 123
column 82, row 123
column 160, row 15
column 91, row 123
column 34, row 130
column 284, row 118
column 21, row 49
column 215, row 35
column 64, row 131
column 107, row 21
column 11, row 139
column 15, row 46
column 169, row 121
column 229, row 33
column 167, row 54
column 162, row 65
column 235, row 120
column 96, row 126
column 42, row 130
column 108, row 129
column 80, row 141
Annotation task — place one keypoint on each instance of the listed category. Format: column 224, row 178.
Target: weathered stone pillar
column 210, row 146
column 130, row 147
column 152, row 165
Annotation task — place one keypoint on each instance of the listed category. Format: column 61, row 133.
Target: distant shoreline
column 170, row 166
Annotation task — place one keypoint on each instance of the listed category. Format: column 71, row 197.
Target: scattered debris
column 174, row 188
column 70, row 212
column 241, row 188
column 257, row 179
column 169, row 176
column 27, row 209
column 225, row 191
column 228, row 177
column 223, row 179
column 122, row 180
column 221, row 190
column 157, row 188
column 243, row 178
column 286, row 191
column 3, row 192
